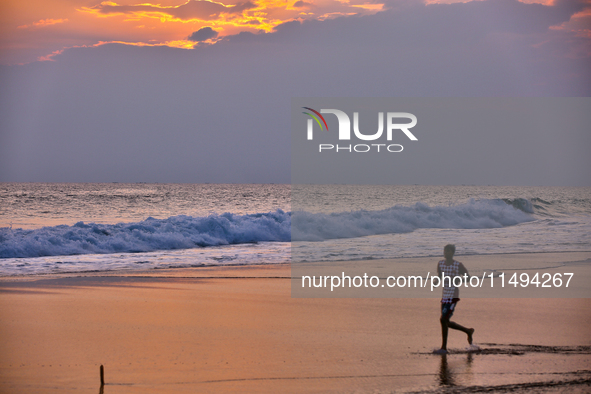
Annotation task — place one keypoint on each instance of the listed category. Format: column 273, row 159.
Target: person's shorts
column 447, row 309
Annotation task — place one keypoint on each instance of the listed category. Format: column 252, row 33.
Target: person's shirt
column 450, row 292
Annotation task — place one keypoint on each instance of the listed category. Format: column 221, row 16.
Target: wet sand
column 237, row 329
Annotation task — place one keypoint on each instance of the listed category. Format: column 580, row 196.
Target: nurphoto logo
column 393, row 126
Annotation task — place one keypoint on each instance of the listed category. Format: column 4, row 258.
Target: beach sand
column 237, row 329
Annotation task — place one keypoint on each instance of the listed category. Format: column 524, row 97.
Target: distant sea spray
column 184, row 232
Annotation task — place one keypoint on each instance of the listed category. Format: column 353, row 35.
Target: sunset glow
column 39, row 30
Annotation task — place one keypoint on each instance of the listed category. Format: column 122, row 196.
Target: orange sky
column 39, row 29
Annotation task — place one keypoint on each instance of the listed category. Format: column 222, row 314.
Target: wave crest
column 184, row 232
column 474, row 214
column 176, row 232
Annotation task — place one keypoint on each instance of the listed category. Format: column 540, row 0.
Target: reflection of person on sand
column 447, row 375
column 448, row 269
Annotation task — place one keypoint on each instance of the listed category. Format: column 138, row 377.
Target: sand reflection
column 448, row 377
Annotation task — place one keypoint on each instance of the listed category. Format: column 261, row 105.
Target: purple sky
column 221, row 113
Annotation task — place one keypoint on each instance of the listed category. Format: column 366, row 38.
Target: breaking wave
column 184, row 232
column 176, row 232
column 475, row 214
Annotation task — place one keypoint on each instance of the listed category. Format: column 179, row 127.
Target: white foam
column 184, row 232
column 475, row 214
column 177, row 232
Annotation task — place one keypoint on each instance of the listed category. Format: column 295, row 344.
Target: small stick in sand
column 102, row 376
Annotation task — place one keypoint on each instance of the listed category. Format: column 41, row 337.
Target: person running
column 450, row 268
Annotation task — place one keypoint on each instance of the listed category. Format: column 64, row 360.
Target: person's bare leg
column 444, row 332
column 468, row 331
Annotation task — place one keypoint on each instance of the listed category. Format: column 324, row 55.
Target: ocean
column 53, row 228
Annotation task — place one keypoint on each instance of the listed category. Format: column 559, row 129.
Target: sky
column 200, row 91
column 479, row 141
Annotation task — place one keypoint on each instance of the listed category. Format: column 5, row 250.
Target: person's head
column 449, row 250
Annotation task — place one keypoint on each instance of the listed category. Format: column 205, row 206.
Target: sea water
column 78, row 227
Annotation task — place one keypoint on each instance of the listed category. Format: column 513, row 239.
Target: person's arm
column 462, row 270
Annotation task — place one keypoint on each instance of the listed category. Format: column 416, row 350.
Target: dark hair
column 451, row 247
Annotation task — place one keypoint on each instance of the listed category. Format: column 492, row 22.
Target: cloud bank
column 221, row 113
column 192, row 9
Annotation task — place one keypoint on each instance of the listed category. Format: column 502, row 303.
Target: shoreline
column 238, row 329
column 552, row 257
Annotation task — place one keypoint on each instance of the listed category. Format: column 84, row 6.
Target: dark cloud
column 203, row 34
column 506, row 15
column 193, row 9
column 301, row 4
column 221, row 113
column 206, row 10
